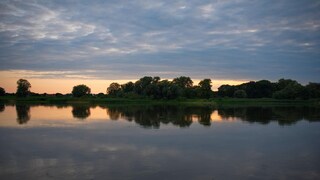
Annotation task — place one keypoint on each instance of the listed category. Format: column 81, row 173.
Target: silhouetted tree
column 141, row 85
column 240, row 93
column 81, row 90
column 167, row 90
column 23, row 113
column 183, row 82
column 114, row 89
column 185, row 85
column 226, row 90
column 23, row 88
column 313, row 90
column 128, row 87
column 100, row 95
column 58, row 95
column 2, row 92
column 205, row 88
column 289, row 89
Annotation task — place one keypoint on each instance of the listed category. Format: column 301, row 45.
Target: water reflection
column 184, row 116
column 23, row 113
column 2, row 107
column 155, row 116
column 264, row 115
column 80, row 112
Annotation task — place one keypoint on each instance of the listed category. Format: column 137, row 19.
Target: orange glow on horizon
column 50, row 85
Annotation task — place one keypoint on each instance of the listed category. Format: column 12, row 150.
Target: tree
column 226, row 90
column 141, row 84
column 128, row 87
column 114, row 89
column 183, row 82
column 81, row 90
column 313, row 90
column 2, row 92
column 205, row 88
column 146, row 86
column 185, row 85
column 240, row 93
column 23, row 88
column 292, row 90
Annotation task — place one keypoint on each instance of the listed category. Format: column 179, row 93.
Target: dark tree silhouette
column 114, row 89
column 2, row 92
column 23, row 88
column 205, row 88
column 80, row 90
column 240, row 93
column 128, row 87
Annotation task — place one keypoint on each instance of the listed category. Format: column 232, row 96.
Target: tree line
column 183, row 87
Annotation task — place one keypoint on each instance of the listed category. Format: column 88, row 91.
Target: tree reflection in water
column 283, row 115
column 23, row 113
column 2, row 107
column 184, row 116
column 154, row 116
column 81, row 112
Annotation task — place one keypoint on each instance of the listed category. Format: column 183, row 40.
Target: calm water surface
column 159, row 142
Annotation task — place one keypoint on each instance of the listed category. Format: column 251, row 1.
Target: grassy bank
column 143, row 101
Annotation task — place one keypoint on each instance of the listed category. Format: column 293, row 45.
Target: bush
column 2, row 92
column 240, row 94
column 80, row 90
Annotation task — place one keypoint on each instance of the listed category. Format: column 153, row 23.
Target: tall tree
column 127, row 87
column 185, row 85
column 114, row 89
column 23, row 88
column 2, row 92
column 81, row 90
column 183, row 82
column 313, row 90
column 226, row 90
column 205, row 88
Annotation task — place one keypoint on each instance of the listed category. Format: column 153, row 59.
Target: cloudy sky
column 113, row 40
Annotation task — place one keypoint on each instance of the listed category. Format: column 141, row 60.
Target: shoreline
column 148, row 101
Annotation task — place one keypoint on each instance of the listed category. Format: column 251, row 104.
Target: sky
column 56, row 45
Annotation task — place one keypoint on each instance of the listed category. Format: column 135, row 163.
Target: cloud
column 221, row 39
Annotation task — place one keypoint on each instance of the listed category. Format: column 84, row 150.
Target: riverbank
column 146, row 101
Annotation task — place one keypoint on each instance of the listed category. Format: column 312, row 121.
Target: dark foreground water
column 159, row 142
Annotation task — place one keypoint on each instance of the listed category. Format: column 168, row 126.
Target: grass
column 148, row 101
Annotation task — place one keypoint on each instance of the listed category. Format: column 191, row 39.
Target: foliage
column 240, row 93
column 226, row 91
column 23, row 88
column 283, row 89
column 113, row 89
column 155, row 88
column 313, row 90
column 2, row 92
column 205, row 88
column 292, row 90
column 81, row 90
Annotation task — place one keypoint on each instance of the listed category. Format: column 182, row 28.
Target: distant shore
column 149, row 101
